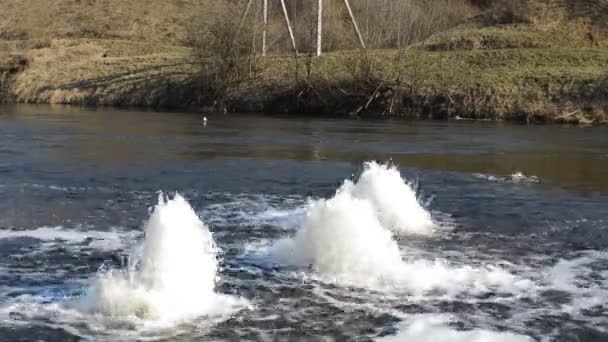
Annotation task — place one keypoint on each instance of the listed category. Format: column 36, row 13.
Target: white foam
column 432, row 328
column 257, row 210
column 103, row 240
column 344, row 241
column 285, row 219
column 519, row 177
column 516, row 177
column 392, row 198
column 573, row 276
column 170, row 277
column 491, row 178
column 343, row 238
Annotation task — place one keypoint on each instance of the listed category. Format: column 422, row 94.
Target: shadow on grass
column 597, row 10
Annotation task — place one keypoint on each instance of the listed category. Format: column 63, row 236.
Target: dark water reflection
column 569, row 157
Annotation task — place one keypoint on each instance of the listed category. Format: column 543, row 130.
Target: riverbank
column 493, row 74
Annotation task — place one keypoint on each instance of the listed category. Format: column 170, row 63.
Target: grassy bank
column 103, row 72
column 530, row 62
column 567, row 84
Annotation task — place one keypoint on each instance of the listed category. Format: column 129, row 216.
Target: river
column 141, row 225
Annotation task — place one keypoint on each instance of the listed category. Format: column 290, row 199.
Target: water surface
column 76, row 186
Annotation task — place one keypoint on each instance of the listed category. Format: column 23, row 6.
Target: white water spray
column 343, row 238
column 348, row 239
column 393, row 199
column 170, row 277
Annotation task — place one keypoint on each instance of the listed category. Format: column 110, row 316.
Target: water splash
column 394, row 200
column 423, row 328
column 516, row 177
column 170, row 277
column 343, row 239
column 519, row 177
column 348, row 239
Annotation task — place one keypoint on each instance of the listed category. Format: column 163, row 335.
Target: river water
column 126, row 225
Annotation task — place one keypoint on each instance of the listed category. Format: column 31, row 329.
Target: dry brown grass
column 520, row 84
column 385, row 24
column 103, row 72
column 150, row 20
column 126, row 53
column 508, row 24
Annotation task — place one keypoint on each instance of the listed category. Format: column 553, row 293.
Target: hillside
column 149, row 20
column 539, row 61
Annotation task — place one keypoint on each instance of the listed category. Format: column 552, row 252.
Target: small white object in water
column 520, row 177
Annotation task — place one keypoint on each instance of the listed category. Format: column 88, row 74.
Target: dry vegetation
column 385, row 23
column 105, row 72
column 527, row 60
column 150, row 20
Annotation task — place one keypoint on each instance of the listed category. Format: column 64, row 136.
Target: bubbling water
column 343, row 238
column 430, row 328
column 348, row 239
column 393, row 199
column 170, row 277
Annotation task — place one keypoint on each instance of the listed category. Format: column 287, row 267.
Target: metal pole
column 293, row 39
column 352, row 17
column 399, row 11
column 265, row 28
column 243, row 17
column 320, row 28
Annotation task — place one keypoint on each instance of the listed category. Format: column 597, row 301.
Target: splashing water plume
column 342, row 237
column 392, row 198
column 170, row 277
column 346, row 239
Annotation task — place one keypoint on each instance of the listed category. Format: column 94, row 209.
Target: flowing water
column 125, row 225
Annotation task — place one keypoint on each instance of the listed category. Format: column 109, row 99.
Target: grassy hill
column 534, row 61
column 149, row 20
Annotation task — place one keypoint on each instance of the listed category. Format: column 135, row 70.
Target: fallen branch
column 373, row 96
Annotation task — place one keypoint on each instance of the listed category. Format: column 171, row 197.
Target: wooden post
column 320, row 28
column 293, row 39
column 352, row 18
column 265, row 28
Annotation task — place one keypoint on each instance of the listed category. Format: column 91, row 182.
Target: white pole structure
column 319, row 28
column 265, row 28
column 293, row 39
column 244, row 15
column 352, row 18
column 399, row 11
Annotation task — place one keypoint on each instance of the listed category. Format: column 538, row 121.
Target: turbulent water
column 169, row 278
column 119, row 225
